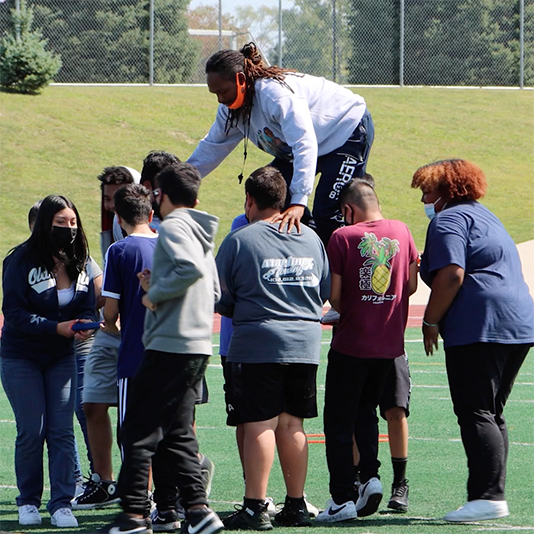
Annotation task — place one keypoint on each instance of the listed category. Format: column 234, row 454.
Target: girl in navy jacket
column 46, row 290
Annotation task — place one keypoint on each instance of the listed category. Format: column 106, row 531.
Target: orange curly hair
column 458, row 178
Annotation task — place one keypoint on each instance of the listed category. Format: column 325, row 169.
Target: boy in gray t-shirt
column 273, row 286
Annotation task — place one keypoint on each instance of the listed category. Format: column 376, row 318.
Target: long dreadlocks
column 248, row 60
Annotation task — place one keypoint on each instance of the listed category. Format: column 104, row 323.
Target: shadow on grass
column 394, row 520
column 89, row 522
column 18, row 92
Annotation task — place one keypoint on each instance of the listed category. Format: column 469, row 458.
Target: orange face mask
column 241, row 90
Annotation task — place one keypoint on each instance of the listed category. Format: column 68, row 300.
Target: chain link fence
column 394, row 42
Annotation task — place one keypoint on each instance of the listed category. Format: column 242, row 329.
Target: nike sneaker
column 125, row 524
column 165, row 521
column 399, row 497
column 337, row 512
column 203, row 521
column 370, row 495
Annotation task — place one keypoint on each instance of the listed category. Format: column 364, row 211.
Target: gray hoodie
column 184, row 285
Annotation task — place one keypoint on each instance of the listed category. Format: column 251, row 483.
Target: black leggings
column 481, row 377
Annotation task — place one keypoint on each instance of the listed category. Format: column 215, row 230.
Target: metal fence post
column 334, row 42
column 521, row 43
column 279, row 33
column 401, row 43
column 220, row 25
column 17, row 25
column 151, row 44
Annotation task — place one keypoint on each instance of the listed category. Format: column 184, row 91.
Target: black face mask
column 63, row 237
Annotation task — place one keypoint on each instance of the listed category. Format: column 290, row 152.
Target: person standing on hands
column 310, row 125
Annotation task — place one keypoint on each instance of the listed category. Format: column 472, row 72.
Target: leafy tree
column 307, row 43
column 447, row 42
column 108, row 40
column 374, row 38
column 25, row 64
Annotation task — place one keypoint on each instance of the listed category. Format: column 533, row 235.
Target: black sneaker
column 165, row 521
column 203, row 521
column 98, row 493
column 399, row 497
column 124, row 524
column 246, row 519
column 207, row 470
column 293, row 514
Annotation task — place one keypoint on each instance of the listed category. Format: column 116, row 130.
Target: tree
column 308, row 37
column 108, row 40
column 25, row 64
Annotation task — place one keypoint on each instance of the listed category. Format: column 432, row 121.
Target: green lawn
column 59, row 142
column 437, row 470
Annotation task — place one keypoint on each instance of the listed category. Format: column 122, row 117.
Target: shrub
column 25, row 65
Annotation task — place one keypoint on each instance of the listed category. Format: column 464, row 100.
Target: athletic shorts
column 100, row 373
column 232, row 415
column 398, row 388
column 262, row 391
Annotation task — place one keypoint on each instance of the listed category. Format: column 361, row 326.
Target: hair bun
column 250, row 51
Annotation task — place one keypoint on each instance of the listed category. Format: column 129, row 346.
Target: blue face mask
column 430, row 209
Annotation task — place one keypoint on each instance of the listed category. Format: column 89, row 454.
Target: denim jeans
column 43, row 403
column 81, row 349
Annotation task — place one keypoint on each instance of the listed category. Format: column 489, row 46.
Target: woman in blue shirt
column 481, row 306
column 46, row 290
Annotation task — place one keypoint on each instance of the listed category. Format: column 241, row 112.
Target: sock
column 295, row 502
column 399, row 470
column 254, row 504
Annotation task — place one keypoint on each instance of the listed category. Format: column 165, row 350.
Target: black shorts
column 262, row 391
column 232, row 415
column 398, row 388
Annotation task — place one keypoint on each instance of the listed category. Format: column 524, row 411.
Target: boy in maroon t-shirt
column 374, row 271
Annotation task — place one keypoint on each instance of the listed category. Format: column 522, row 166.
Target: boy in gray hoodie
column 158, row 428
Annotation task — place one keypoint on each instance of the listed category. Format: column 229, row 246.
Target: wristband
column 430, row 324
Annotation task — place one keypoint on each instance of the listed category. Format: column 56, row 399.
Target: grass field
column 436, row 471
column 60, row 141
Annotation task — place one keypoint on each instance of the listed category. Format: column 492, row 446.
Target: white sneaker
column 312, row 510
column 29, row 515
column 478, row 510
column 80, row 489
column 337, row 512
column 63, row 518
column 330, row 318
column 272, row 509
column 370, row 495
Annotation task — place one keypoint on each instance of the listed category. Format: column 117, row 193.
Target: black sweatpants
column 352, row 392
column 481, row 377
column 158, row 430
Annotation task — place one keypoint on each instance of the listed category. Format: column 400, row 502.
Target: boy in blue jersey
column 158, row 428
column 124, row 259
